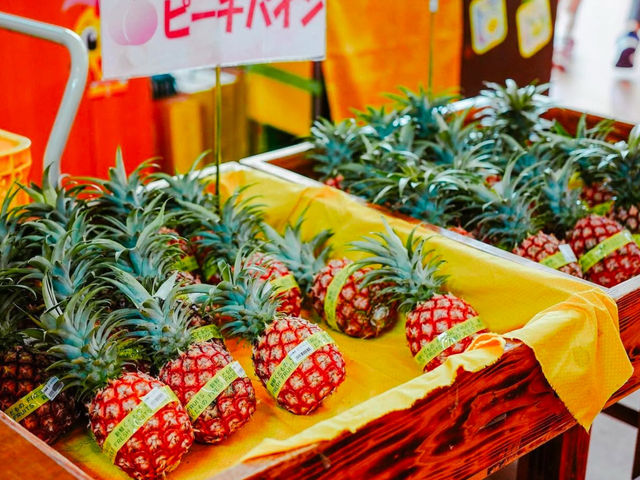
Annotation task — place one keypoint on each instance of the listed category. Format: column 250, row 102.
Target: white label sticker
column 567, row 253
column 300, row 351
column 52, row 388
column 155, row 398
column 238, row 369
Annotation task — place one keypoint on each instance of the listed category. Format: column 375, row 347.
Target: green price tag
column 35, row 399
column 150, row 404
column 563, row 257
column 333, row 293
column 605, row 248
column 283, row 284
column 202, row 334
column 213, row 388
column 446, row 339
column 186, row 264
column 294, row 358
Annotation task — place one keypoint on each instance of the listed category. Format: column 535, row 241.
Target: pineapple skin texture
column 616, row 267
column 290, row 300
column 433, row 317
column 542, row 245
column 358, row 314
column 188, row 373
column 159, row 445
column 21, row 371
column 313, row 380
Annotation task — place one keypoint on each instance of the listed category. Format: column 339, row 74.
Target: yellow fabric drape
column 571, row 327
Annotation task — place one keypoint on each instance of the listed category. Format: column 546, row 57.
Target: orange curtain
column 373, row 46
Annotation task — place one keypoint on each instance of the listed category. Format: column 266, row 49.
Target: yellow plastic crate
column 15, row 163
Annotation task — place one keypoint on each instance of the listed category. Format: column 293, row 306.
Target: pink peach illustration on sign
column 136, row 25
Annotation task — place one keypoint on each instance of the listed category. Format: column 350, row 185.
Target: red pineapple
column 411, row 277
column 317, row 367
column 188, row 373
column 276, row 272
column 437, row 315
column 541, row 246
column 187, row 361
column 621, row 264
column 357, row 312
column 94, row 362
column 596, row 194
column 158, row 446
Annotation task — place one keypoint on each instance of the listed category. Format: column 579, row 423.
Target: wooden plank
column 24, row 456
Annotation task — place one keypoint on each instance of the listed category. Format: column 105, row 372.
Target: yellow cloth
column 375, row 46
column 570, row 326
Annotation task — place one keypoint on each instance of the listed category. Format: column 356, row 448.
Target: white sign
column 145, row 37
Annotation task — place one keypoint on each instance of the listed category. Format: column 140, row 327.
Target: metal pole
column 433, row 8
column 73, row 91
column 218, row 137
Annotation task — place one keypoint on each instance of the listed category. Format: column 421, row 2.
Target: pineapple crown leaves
column 455, row 134
column 505, row 213
column 407, row 272
column 71, row 264
column 56, row 203
column 120, row 193
column 160, row 320
column 621, row 163
column 239, row 225
column 82, row 337
column 190, row 187
column 378, row 123
column 11, row 315
column 422, row 108
column 303, row 258
column 425, row 192
column 560, row 202
column 515, row 110
column 147, row 254
column 334, row 145
column 244, row 298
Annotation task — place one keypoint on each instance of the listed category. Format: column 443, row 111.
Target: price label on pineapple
column 202, row 334
column 535, row 27
column 488, row 21
column 333, row 293
column 604, row 248
column 213, row 388
column 145, row 37
column 35, row 399
column 636, row 238
column 563, row 257
column 447, row 339
column 149, row 405
column 283, row 284
column 294, row 358
column 186, row 264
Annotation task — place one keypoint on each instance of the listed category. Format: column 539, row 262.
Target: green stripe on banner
column 306, row 84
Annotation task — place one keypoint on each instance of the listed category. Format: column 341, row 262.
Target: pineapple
column 617, row 266
column 334, row 146
column 622, row 166
column 23, row 369
column 86, row 344
column 505, row 215
column 120, row 193
column 186, row 365
column 353, row 310
column 422, row 108
column 409, row 276
column 515, row 111
column 316, row 366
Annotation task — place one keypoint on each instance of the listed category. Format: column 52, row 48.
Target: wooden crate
column 479, row 424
